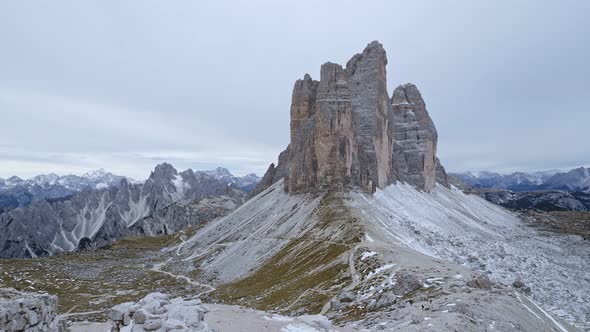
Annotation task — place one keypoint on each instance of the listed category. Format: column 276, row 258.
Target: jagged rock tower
column 347, row 133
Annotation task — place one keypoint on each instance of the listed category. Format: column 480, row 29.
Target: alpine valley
column 356, row 227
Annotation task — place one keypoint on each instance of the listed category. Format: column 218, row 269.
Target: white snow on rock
column 380, row 269
column 466, row 229
column 367, row 254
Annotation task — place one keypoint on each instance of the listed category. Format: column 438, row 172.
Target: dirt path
column 158, row 268
column 353, row 275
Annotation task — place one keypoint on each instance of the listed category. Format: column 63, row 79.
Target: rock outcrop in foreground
column 157, row 312
column 20, row 311
column 346, row 132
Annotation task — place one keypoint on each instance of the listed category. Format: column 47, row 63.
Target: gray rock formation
column 415, row 138
column 32, row 312
column 273, row 173
column 346, row 131
column 157, row 312
column 321, row 131
column 406, row 282
column 98, row 217
column 181, row 215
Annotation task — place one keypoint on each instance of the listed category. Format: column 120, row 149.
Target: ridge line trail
column 354, row 276
column 158, row 268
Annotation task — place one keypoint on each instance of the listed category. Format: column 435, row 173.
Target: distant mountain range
column 103, row 209
column 544, row 191
column 577, row 179
column 16, row 192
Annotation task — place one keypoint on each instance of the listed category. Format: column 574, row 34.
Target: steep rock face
column 339, row 126
column 415, row 138
column 370, row 107
column 347, row 132
column 441, row 174
column 321, row 131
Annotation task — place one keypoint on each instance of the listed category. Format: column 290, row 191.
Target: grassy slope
column 308, row 271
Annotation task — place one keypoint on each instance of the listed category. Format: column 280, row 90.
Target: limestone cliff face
column 347, row 133
column 370, row 107
column 415, row 138
column 321, row 132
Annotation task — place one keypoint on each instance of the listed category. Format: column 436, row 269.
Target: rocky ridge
column 97, row 217
column 346, row 132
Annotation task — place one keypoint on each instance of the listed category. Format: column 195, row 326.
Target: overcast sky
column 125, row 85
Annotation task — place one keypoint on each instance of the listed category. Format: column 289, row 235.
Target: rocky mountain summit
column 246, row 183
column 166, row 202
column 346, row 132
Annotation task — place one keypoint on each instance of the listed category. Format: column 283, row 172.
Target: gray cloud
column 125, row 85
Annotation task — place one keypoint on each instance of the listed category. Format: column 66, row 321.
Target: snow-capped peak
column 96, row 174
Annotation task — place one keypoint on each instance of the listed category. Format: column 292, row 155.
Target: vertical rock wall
column 347, row 133
column 370, row 104
column 415, row 136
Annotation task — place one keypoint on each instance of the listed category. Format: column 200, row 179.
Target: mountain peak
column 218, row 173
column 165, row 168
column 99, row 173
column 346, row 131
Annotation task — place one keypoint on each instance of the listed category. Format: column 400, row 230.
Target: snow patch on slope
column 137, row 210
column 449, row 224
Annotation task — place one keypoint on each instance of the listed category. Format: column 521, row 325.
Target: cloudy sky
column 125, row 85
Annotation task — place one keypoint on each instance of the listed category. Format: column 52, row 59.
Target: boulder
column 521, row 286
column 157, row 312
column 482, row 282
column 346, row 296
column 406, row 282
column 152, row 324
column 140, row 316
column 117, row 312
